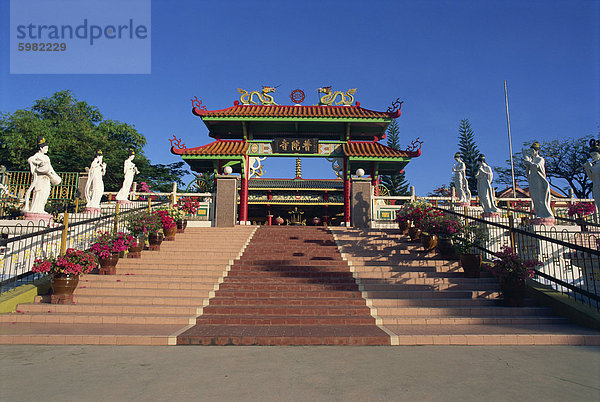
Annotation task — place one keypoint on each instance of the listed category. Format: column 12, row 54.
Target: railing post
column 77, row 205
column 511, row 233
column 413, row 195
column 452, row 196
column 65, row 232
column 116, row 229
column 174, row 194
column 149, row 204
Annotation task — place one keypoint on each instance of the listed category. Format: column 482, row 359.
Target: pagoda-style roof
column 364, row 149
column 222, row 147
column 352, row 149
column 270, row 121
column 295, row 112
column 296, row 184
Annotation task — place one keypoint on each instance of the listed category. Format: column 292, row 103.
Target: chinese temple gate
column 245, row 134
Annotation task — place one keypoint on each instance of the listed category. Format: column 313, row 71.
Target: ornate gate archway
column 348, row 135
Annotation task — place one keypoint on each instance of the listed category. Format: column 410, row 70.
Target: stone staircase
column 422, row 299
column 148, row 302
column 291, row 287
column 288, row 286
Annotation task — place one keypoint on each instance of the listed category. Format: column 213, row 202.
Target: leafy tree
column 397, row 183
column 468, row 152
column 441, row 191
column 74, row 131
column 564, row 162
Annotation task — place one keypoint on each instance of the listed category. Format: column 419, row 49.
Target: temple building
column 346, row 135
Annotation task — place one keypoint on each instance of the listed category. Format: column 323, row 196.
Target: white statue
column 43, row 175
column 592, row 170
column 461, row 184
column 539, row 188
column 129, row 170
column 94, row 188
column 484, row 178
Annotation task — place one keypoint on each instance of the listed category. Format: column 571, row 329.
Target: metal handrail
column 557, row 283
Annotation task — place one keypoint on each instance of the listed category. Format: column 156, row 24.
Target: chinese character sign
column 296, row 145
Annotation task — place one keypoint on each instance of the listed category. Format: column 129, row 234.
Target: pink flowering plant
column 167, row 221
column 417, row 212
column 189, row 205
column 443, row 225
column 107, row 244
column 143, row 223
column 521, row 205
column 581, row 209
column 509, row 267
column 144, row 187
column 74, row 262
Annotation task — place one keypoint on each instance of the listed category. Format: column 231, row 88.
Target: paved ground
column 561, row 373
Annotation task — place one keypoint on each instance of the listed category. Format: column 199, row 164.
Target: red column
column 346, row 193
column 374, row 180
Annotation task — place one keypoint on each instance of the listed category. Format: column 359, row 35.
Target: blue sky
column 446, row 59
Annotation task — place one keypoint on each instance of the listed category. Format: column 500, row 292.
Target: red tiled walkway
column 290, row 287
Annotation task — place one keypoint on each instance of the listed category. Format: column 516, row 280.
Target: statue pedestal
column 124, row 202
column 462, row 204
column 491, row 215
column 543, row 221
column 30, row 216
column 92, row 211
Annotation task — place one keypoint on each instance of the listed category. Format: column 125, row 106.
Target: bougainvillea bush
column 74, row 262
column 143, row 223
column 107, row 244
column 581, row 209
column 189, row 205
column 443, row 225
column 509, row 267
column 173, row 212
column 166, row 220
column 416, row 212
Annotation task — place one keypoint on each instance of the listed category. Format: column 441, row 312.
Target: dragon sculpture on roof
column 247, row 98
column 346, row 98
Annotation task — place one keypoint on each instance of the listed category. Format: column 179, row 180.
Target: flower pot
column 64, row 284
column 414, row 233
column 428, row 241
column 108, row 266
column 471, row 264
column 513, row 293
column 446, row 248
column 404, row 226
column 170, row 233
column 181, row 225
column 316, row 221
column 136, row 251
column 154, row 240
column 279, row 220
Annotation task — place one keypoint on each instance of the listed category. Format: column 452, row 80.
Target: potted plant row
column 146, row 225
column 168, row 217
column 512, row 273
column 412, row 215
column 108, row 247
column 189, row 206
column 65, row 271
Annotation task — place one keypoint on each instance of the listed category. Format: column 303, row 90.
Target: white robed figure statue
column 43, row 176
column 94, row 188
column 484, row 178
column 592, row 170
column 539, row 188
column 461, row 185
column 129, row 170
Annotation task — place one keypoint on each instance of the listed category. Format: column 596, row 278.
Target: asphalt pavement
column 195, row 373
